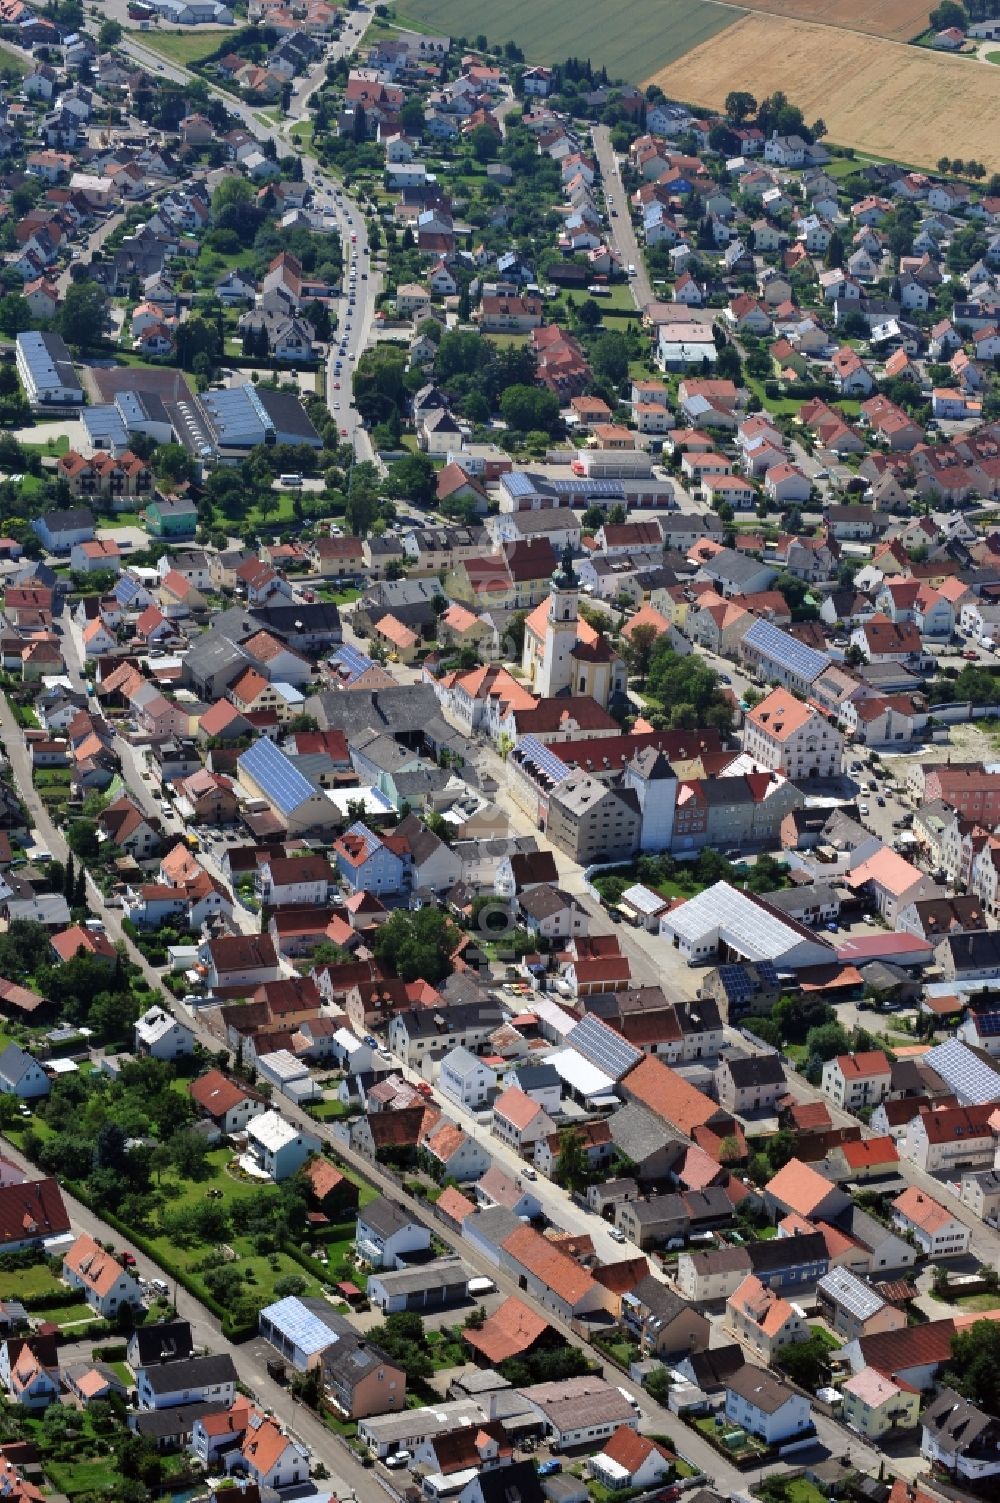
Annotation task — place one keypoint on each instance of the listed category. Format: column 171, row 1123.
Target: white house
column 21, row 1074
column 191, row 1380
column 277, row 1148
column 935, row 1230
column 158, row 1033
column 763, row 1405
column 519, row 1121
column 856, row 1080
column 105, row 1284
column 961, row 1437
column 787, row 736
column 465, row 1079
column 386, row 1234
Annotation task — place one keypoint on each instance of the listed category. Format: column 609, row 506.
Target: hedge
column 232, row 1332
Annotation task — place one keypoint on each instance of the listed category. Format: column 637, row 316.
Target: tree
column 609, row 357
column 414, row 478
column 589, row 313
column 639, row 646
column 657, row 1385
column 529, row 407
column 109, row 35
column 739, row 106
column 415, row 945
column 571, row 1164
column 806, row 1363
column 975, row 1364
column 484, row 143
column 949, row 13
column 172, row 464
column 81, row 317
column 81, row 837
column 835, row 251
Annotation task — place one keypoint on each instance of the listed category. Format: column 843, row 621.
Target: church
column 562, row 653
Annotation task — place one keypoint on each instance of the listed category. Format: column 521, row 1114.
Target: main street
column 622, row 230
column 353, row 323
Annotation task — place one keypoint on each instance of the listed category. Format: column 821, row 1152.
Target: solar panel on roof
column 354, row 661
column 518, row 484
column 603, row 1047
column 787, row 651
column 276, row 775
column 530, row 749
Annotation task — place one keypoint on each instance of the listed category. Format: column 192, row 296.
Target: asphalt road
column 621, row 229
column 353, row 323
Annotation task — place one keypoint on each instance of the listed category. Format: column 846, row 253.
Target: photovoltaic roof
column 530, row 749
column 787, row 651
column 603, row 1047
column 276, row 775
column 355, row 662
column 973, row 1081
column 299, row 1325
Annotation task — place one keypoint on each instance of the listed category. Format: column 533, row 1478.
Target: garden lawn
column 183, row 47
column 14, row 61
column 28, row 1283
column 98, row 1476
column 67, row 1315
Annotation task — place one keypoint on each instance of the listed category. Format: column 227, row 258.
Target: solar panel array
column 516, row 483
column 361, row 832
column 276, row 776
column 543, row 758
column 973, row 1081
column 352, row 660
column 603, row 1047
column 988, row 1024
column 737, row 983
column 787, row 651
column 297, row 1323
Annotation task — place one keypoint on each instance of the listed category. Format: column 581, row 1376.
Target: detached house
column 852, row 1081
column 105, row 1284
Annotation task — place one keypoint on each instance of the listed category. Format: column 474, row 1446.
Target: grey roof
column 755, row 1070
column 662, row 1302
column 493, row 1226
column 292, row 620
column 759, row 1388
column 192, row 1372
column 386, row 1217
column 796, row 899
column 535, row 1077
column 787, row 1252
column 405, row 708
column 162, row 1341
column 431, row 1022
column 461, row 1060
column 348, row 1361
column 736, row 568
column 638, row 1134
column 443, row 1273
column 959, row 1426
column 177, row 1420
column 15, row 1063
column 843, row 1288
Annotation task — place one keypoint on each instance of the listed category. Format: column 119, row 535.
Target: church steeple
column 565, row 576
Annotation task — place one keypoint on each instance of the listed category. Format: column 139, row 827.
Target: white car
column 398, row 1460
column 616, row 1234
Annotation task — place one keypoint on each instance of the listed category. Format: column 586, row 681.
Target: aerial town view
column 499, row 751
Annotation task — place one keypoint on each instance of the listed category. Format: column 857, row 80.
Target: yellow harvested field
column 904, row 103
column 901, row 20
